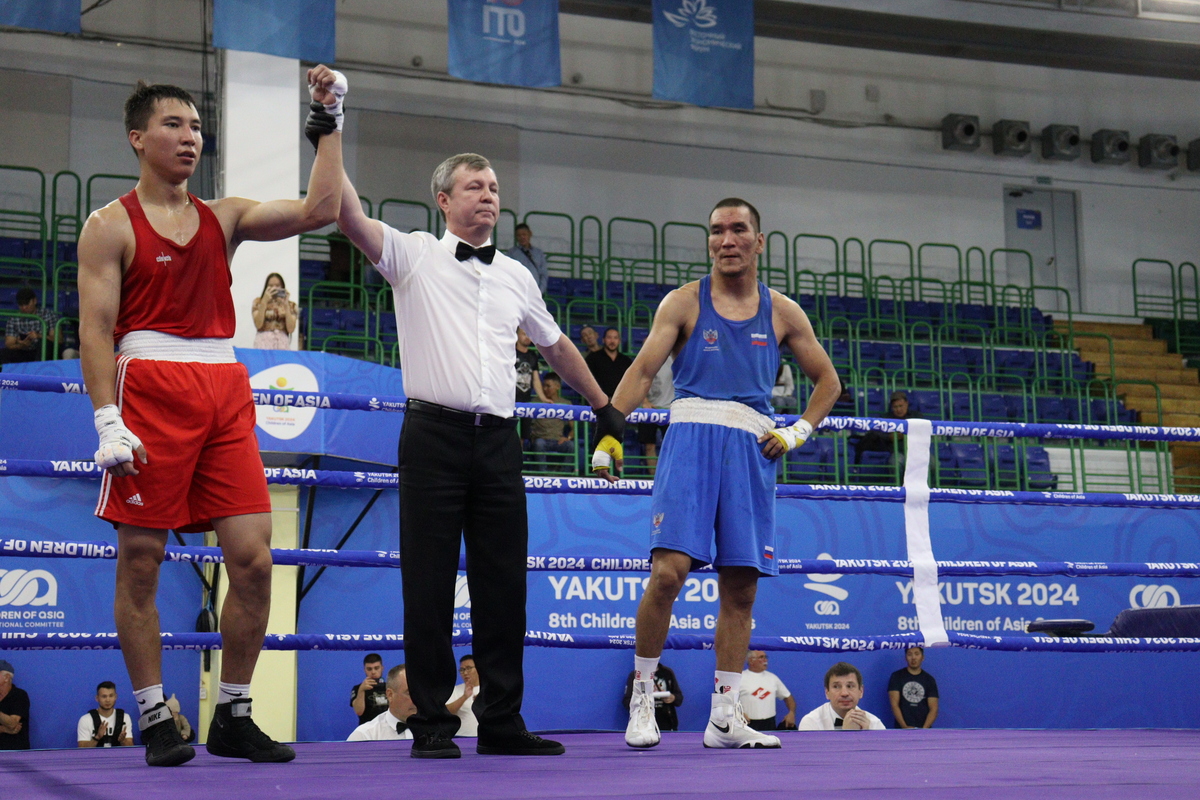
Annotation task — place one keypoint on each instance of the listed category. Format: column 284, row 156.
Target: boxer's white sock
column 729, row 683
column 643, row 668
column 148, row 698
column 232, row 691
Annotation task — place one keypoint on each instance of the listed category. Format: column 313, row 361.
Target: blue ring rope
column 44, row 548
column 362, row 402
column 536, row 484
column 808, row 644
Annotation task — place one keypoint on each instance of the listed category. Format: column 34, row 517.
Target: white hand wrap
column 601, row 460
column 339, row 88
column 793, row 436
column 117, row 442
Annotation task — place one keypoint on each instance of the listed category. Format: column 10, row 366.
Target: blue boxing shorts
column 714, row 486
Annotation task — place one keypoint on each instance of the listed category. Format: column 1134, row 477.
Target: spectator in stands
column 608, row 365
column 529, row 384
column 913, row 692
column 275, row 315
column 844, row 690
column 391, row 722
column 661, row 394
column 552, row 435
column 589, row 340
column 888, row 442
column 14, row 712
column 462, row 699
column 530, row 257
column 106, row 725
column 23, row 336
column 783, row 393
column 667, row 696
column 759, row 693
column 369, row 698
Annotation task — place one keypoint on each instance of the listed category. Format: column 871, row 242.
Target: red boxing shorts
column 196, row 422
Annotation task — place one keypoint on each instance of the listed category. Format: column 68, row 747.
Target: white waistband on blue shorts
column 159, row 346
column 729, row 413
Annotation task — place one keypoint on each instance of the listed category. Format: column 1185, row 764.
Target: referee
column 458, row 304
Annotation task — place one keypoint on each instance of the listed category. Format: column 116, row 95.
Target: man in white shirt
column 458, row 306
column 391, row 723
column 844, row 689
column 106, row 725
column 462, row 699
column 760, row 690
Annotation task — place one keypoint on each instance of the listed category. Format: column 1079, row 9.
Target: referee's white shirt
column 380, row 729
column 822, row 718
column 457, row 321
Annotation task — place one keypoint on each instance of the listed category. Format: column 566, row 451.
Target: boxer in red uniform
column 174, row 410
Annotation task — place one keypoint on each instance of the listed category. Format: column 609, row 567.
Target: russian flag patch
column 759, row 339
column 769, row 552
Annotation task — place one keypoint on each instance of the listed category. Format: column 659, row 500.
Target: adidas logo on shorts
column 136, row 500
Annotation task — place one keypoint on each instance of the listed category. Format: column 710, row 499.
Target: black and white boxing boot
column 164, row 746
column 233, row 734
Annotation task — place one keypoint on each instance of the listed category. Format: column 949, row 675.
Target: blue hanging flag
column 704, row 52
column 513, row 42
column 60, row 16
column 303, row 29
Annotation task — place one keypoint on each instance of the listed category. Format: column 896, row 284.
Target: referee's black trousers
column 458, row 480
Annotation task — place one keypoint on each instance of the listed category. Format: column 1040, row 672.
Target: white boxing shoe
column 642, row 730
column 727, row 727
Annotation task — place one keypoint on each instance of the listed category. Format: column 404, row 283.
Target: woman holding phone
column 274, row 315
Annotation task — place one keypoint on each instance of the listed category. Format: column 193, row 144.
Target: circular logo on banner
column 827, row 607
column 35, row 587
column 1153, row 596
column 284, row 422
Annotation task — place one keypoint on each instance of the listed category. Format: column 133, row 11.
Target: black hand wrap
column 609, row 422
column 319, row 123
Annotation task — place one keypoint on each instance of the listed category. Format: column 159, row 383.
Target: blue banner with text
column 513, row 42
column 704, row 52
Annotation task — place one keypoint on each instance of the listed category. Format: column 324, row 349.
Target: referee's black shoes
column 434, row 745
column 520, row 743
column 234, row 735
column 164, row 746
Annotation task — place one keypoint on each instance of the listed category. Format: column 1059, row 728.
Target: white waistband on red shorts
column 159, row 346
column 729, row 413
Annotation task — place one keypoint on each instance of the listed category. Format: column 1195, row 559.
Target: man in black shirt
column 369, row 698
column 913, row 692
column 608, row 364
column 14, row 712
column 529, row 382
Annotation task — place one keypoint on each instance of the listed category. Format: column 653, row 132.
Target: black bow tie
column 837, row 722
column 401, row 728
column 484, row 254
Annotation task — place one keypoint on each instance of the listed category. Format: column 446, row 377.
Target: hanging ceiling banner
column 704, row 52
column 300, row 29
column 512, row 42
column 59, row 16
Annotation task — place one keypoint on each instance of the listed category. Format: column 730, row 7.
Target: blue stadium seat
column 870, row 355
column 1037, row 467
column 1015, row 405
column 954, row 359
column 891, row 356
column 873, row 467
column 313, row 270
column 927, row 403
column 1099, row 409
column 811, row 462
column 877, row 402
column 808, row 302
column 1015, row 363
column 11, row 247
column 885, row 309
column 856, row 308
column 580, row 287
column 969, row 461
column 353, row 321
column 8, row 298
column 1004, row 467
column 68, row 303
column 556, row 286
column 946, row 473
column 992, row 408
column 960, row 406
column 920, row 356
column 1053, row 409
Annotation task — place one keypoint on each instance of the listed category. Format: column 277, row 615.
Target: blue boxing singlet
column 729, row 360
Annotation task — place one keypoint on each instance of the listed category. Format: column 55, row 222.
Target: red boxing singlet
column 178, row 289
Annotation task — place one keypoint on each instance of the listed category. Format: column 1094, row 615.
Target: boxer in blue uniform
column 716, row 474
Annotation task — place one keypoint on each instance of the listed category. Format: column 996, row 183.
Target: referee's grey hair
column 393, row 677
column 443, row 176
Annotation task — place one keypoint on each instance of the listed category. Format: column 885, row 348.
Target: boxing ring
column 938, row 763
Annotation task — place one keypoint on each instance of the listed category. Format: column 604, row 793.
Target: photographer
column 274, row 315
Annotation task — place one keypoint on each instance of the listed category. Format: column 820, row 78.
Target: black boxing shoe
column 164, row 746
column 521, row 743
column 233, row 734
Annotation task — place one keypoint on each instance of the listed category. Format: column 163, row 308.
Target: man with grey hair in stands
column 458, row 306
column 14, row 712
column 392, row 723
